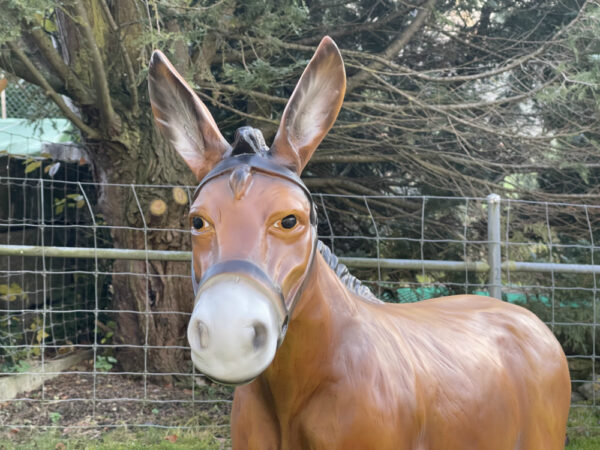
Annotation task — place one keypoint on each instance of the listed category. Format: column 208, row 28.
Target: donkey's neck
column 305, row 358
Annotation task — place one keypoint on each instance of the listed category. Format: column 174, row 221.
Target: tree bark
column 153, row 297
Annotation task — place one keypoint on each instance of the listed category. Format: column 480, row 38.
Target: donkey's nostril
column 202, row 331
column 260, row 335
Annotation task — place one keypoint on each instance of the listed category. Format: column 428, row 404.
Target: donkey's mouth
column 235, row 328
column 197, row 360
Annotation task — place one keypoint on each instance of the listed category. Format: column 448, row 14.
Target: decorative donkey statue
column 461, row 372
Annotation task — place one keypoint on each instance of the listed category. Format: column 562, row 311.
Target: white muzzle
column 235, row 327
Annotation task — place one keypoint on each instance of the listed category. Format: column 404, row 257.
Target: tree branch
column 343, row 182
column 16, row 67
column 283, row 101
column 74, row 87
column 245, row 92
column 109, row 118
column 471, row 123
column 50, row 92
column 344, row 158
column 515, row 63
column 236, row 111
column 351, row 28
column 129, row 66
column 394, row 48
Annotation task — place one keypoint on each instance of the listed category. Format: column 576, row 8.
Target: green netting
column 24, row 100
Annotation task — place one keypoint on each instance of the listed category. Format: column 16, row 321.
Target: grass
column 583, row 431
column 584, row 434
column 119, row 439
column 584, row 443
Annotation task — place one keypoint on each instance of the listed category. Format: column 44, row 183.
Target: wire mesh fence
column 27, row 100
column 60, row 279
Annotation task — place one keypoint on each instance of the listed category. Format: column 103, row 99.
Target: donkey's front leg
column 253, row 425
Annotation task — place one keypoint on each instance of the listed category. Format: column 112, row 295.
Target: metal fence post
column 494, row 251
column 3, row 104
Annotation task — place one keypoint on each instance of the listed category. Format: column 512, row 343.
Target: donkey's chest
column 339, row 414
column 358, row 403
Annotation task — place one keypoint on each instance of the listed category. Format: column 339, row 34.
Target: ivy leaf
column 41, row 335
column 32, row 166
column 12, row 292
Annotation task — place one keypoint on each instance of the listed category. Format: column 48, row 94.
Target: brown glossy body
column 461, row 372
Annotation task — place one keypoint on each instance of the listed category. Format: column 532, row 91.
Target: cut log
column 158, row 207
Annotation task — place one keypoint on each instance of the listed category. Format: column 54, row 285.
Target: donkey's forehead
column 247, row 184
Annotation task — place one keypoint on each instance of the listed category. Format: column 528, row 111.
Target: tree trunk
column 155, row 296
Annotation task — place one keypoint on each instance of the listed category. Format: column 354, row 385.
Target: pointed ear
column 183, row 119
column 312, row 108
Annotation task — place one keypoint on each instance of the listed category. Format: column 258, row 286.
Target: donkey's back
column 464, row 372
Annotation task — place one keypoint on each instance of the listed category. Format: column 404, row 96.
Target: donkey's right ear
column 183, row 119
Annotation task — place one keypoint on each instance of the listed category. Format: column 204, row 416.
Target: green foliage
column 55, row 417
column 105, row 363
column 12, row 292
column 260, row 75
column 272, row 19
column 20, row 366
column 108, row 332
column 25, row 14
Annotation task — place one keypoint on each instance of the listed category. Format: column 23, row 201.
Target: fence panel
column 57, row 271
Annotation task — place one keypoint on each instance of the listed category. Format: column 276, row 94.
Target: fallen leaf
column 172, row 438
column 60, row 446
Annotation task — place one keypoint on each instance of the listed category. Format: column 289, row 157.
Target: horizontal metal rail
column 93, row 253
column 384, row 263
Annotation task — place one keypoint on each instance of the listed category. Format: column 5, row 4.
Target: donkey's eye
column 198, row 223
column 289, row 222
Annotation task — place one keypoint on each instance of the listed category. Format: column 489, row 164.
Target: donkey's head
column 252, row 219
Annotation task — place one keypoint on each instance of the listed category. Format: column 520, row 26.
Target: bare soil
column 81, row 399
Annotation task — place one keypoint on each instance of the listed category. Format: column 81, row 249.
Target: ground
column 120, row 419
column 123, row 402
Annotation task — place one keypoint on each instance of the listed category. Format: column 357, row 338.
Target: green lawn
column 584, row 434
column 584, row 429
column 139, row 439
column 582, row 443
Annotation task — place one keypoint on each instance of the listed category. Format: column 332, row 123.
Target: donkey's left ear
column 312, row 108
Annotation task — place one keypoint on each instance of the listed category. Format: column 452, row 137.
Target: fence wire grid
column 60, row 306
column 27, row 100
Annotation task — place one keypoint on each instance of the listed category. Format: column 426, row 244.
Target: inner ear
column 312, row 108
column 183, row 119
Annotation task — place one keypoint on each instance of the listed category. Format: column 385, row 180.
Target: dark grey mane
column 351, row 282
